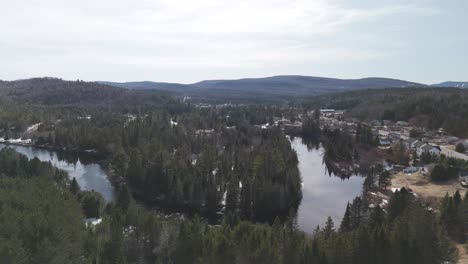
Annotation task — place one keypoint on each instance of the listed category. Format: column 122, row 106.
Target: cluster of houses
column 421, row 147
column 389, row 132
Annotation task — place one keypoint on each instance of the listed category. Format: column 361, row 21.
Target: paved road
column 452, row 153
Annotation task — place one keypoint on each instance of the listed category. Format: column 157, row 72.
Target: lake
column 323, row 195
column 90, row 176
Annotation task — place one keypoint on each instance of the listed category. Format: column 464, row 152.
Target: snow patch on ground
column 93, row 221
column 16, row 141
column 33, row 127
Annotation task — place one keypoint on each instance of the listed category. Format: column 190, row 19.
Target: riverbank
column 31, row 143
column 90, row 175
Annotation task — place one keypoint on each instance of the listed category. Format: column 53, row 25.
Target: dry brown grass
column 463, row 256
column 428, row 191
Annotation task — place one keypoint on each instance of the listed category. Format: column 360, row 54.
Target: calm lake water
column 89, row 176
column 323, row 195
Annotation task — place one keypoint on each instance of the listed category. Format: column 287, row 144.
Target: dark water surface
column 323, row 195
column 90, row 176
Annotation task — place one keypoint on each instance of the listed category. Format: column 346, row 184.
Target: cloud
column 186, row 33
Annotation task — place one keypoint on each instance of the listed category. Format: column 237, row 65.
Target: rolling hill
column 55, row 92
column 276, row 88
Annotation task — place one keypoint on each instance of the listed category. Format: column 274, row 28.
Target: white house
column 433, row 150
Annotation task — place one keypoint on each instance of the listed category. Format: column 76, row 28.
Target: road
column 452, row 153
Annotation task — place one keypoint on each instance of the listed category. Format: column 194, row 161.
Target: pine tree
column 457, row 199
column 346, row 222
column 377, row 217
column 74, row 187
column 356, row 213
column 124, row 198
column 385, row 180
column 119, row 163
column 232, row 196
column 329, row 229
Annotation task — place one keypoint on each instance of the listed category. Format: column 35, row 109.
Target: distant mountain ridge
column 307, row 82
column 278, row 89
column 273, row 82
column 451, row 84
column 275, row 87
column 148, row 85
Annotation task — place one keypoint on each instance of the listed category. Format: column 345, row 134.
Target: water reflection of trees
column 344, row 170
column 339, row 155
column 311, row 143
column 72, row 157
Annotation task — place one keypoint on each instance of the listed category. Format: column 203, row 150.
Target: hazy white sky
column 191, row 40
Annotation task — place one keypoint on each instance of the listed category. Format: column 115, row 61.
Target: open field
column 425, row 189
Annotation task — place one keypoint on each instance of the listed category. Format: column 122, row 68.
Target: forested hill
column 286, row 83
column 147, row 85
column 276, row 88
column 53, row 91
column 429, row 107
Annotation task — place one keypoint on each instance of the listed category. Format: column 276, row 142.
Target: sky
column 187, row 41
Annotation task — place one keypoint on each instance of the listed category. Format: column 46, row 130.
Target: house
column 409, row 143
column 384, row 141
column 394, row 136
column 402, row 123
column 417, row 145
column 433, row 150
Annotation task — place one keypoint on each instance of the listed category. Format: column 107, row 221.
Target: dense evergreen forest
column 198, row 164
column 226, row 161
column 433, row 108
column 42, row 223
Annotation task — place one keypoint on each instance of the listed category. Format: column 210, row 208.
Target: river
column 323, row 195
column 90, row 176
